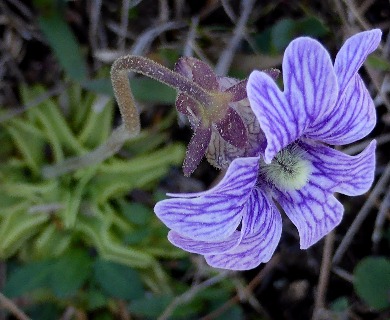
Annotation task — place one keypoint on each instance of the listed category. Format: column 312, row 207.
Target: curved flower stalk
column 224, row 125
column 321, row 104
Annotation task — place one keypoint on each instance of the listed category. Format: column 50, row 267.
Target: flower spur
column 236, row 225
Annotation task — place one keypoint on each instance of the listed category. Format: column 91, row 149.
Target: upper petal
column 310, row 84
column 273, row 112
column 313, row 210
column 352, row 119
column 352, row 55
column 339, row 172
column 215, row 214
column 261, row 227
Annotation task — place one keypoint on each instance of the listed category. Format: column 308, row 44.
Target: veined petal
column 313, row 210
column 262, row 228
column 215, row 214
column 310, row 83
column 205, row 247
column 232, row 129
column 352, row 55
column 196, row 149
column 352, row 119
column 339, row 172
column 273, row 112
column 198, row 71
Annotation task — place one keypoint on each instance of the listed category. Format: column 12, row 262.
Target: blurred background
column 78, row 236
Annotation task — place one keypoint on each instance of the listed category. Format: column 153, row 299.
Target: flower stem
column 154, row 70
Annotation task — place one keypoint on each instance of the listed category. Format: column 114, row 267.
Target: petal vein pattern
column 215, row 214
column 262, row 230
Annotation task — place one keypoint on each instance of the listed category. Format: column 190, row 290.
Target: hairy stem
column 154, row 70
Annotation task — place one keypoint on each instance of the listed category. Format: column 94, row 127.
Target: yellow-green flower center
column 289, row 170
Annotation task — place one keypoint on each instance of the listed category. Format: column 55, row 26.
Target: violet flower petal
column 198, row 71
column 196, row 149
column 232, row 129
column 310, row 83
column 262, row 227
column 339, row 172
column 205, row 247
column 352, row 55
column 313, row 210
column 273, row 112
column 352, row 119
column 216, row 214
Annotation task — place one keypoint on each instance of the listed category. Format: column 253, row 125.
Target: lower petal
column 213, row 215
column 313, row 210
column 204, row 247
column 261, row 228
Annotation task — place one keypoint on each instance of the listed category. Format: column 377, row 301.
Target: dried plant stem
column 361, row 216
column 226, row 57
column 251, row 286
column 326, row 264
column 156, row 71
column 118, row 137
column 12, row 308
column 186, row 296
column 380, row 220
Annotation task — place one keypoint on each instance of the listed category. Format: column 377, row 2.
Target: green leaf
column 149, row 90
column 118, row 280
column 26, row 278
column 69, row 272
column 63, row 42
column 377, row 62
column 372, row 281
column 137, row 213
column 285, row 30
column 150, row 307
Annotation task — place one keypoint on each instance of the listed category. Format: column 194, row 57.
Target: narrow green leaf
column 64, row 44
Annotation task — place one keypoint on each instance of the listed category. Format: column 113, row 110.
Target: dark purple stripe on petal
column 273, row 113
column 352, row 55
column 310, row 83
column 257, row 246
column 352, row 119
column 214, row 215
column 313, row 210
column 205, row 247
column 339, row 172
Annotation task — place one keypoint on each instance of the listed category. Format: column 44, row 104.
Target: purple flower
column 236, row 225
column 226, row 128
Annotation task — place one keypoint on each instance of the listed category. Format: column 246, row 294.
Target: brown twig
column 326, row 265
column 361, row 216
column 9, row 305
column 251, row 286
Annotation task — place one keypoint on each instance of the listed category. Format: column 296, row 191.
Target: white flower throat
column 288, row 170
